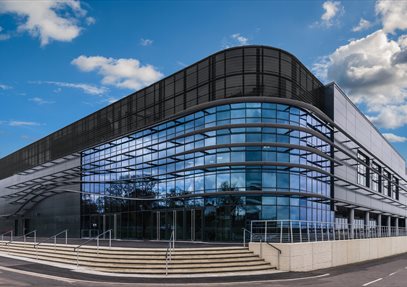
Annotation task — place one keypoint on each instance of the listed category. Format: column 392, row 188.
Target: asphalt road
column 388, row 272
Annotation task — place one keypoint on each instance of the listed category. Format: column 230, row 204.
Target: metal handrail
column 251, row 236
column 244, row 236
column 290, row 231
column 279, row 252
column 261, row 245
column 76, row 249
column 55, row 241
column 168, row 254
column 55, row 238
column 11, row 235
column 25, row 237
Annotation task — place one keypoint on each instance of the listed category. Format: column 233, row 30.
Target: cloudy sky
column 61, row 60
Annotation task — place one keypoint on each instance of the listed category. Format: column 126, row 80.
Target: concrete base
column 324, row 254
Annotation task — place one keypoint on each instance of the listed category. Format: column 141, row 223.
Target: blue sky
column 61, row 61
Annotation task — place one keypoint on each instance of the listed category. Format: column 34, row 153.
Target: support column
column 388, row 225
column 352, row 222
column 379, row 225
column 397, row 226
column 367, row 223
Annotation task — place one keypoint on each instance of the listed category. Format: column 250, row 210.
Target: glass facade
column 207, row 174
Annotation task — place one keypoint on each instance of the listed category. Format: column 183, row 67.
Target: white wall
column 318, row 255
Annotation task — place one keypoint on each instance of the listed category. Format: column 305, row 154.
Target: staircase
column 184, row 261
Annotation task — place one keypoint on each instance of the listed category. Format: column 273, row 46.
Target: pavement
column 388, row 272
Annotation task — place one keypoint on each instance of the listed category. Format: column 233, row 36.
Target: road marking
column 68, row 280
column 391, row 274
column 45, row 276
column 371, row 282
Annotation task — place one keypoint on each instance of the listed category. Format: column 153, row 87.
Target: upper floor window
column 386, row 183
column 395, row 188
column 376, row 178
column 363, row 174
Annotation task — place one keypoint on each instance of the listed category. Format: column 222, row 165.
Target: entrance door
column 16, row 227
column 26, row 227
column 187, row 224
column 167, row 224
column 196, row 224
column 112, row 221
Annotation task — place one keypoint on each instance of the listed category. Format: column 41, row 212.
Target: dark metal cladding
column 236, row 72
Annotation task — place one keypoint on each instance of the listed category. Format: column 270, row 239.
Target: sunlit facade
column 248, row 133
column 220, row 167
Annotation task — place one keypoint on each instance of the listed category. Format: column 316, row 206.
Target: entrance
column 26, row 227
column 112, row 221
column 187, row 224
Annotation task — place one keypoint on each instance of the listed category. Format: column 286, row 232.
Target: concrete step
column 133, row 251
column 88, row 253
column 146, row 265
column 125, row 259
column 145, row 261
column 239, row 270
column 175, row 254
column 153, row 269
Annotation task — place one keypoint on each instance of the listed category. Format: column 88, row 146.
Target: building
column 247, row 133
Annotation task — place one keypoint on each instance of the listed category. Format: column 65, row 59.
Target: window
column 386, row 183
column 362, row 169
column 395, row 188
column 376, row 178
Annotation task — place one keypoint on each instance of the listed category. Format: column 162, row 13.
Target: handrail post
column 66, row 236
column 281, row 232
column 291, row 231
column 110, row 238
column 265, row 230
column 244, row 237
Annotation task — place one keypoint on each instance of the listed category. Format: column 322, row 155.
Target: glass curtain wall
column 209, row 174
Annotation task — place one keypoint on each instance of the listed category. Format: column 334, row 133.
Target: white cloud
column 90, row 20
column 3, row 36
column 14, row 123
column 393, row 14
column 48, row 20
column 121, row 73
column 332, row 11
column 111, row 100
column 240, row 39
column 22, row 123
column 373, row 70
column 87, row 88
column 363, row 25
column 390, row 116
column 394, row 138
column 4, row 87
column 40, row 101
column 146, row 42
column 181, row 64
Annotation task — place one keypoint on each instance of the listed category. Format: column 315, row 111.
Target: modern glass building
column 245, row 134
